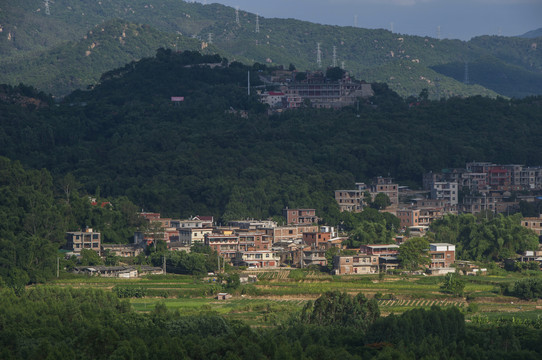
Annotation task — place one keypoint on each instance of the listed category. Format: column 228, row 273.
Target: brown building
column 225, row 245
column 442, row 255
column 317, row 240
column 254, row 241
column 293, row 233
column 533, row 223
column 300, row 216
column 380, row 250
column 356, row 264
column 386, row 186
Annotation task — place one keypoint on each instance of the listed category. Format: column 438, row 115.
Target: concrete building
column 259, row 259
column 191, row 235
column 447, row 191
column 442, row 255
column 88, row 239
column 355, row 264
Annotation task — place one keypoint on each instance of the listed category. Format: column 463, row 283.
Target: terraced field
column 279, row 294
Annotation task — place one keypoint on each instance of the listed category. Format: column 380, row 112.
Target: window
column 95, row 236
column 347, row 260
column 266, row 255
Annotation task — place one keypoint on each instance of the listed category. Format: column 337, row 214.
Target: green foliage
column 130, row 292
column 31, row 228
column 340, row 309
column 485, row 239
column 334, row 73
column 413, row 253
column 90, row 258
column 381, row 201
column 453, row 284
column 528, row 289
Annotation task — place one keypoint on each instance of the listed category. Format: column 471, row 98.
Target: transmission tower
column 257, row 23
column 391, row 26
column 47, row 10
column 438, row 32
column 342, row 65
column 210, row 38
column 318, row 55
column 355, row 21
column 237, row 16
column 334, row 56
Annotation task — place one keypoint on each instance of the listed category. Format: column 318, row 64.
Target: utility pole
column 164, row 264
column 318, row 55
column 57, row 267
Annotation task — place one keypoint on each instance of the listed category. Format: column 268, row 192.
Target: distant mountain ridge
column 532, row 34
column 374, row 55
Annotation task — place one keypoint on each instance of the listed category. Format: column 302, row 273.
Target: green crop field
column 279, row 294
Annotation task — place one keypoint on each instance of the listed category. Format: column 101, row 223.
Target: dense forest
column 203, row 156
column 50, row 323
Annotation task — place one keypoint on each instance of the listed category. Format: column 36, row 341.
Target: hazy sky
column 458, row 19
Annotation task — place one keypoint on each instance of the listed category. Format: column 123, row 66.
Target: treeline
column 91, row 324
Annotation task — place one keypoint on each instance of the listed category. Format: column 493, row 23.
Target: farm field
column 278, row 294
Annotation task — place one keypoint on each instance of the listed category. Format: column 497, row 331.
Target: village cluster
column 263, row 244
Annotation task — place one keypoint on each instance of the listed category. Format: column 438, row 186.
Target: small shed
column 223, row 296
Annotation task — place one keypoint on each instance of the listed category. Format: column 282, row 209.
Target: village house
column 225, row 245
column 533, row 223
column 289, row 234
column 123, row 250
column 300, row 216
column 189, row 236
column 355, row 264
column 380, row 249
column 355, row 200
column 260, row 259
column 442, row 257
column 78, row 240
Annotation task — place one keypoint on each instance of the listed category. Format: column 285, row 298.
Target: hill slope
column 125, row 137
column 279, row 41
column 76, row 65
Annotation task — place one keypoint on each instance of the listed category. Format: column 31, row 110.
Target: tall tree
column 413, row 253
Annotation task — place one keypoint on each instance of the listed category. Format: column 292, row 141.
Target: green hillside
column 78, row 64
column 27, row 33
column 204, row 156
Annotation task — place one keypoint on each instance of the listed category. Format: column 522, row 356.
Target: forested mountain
column 78, row 64
column 203, row 156
column 407, row 63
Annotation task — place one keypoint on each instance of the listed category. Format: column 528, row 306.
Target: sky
column 452, row 19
